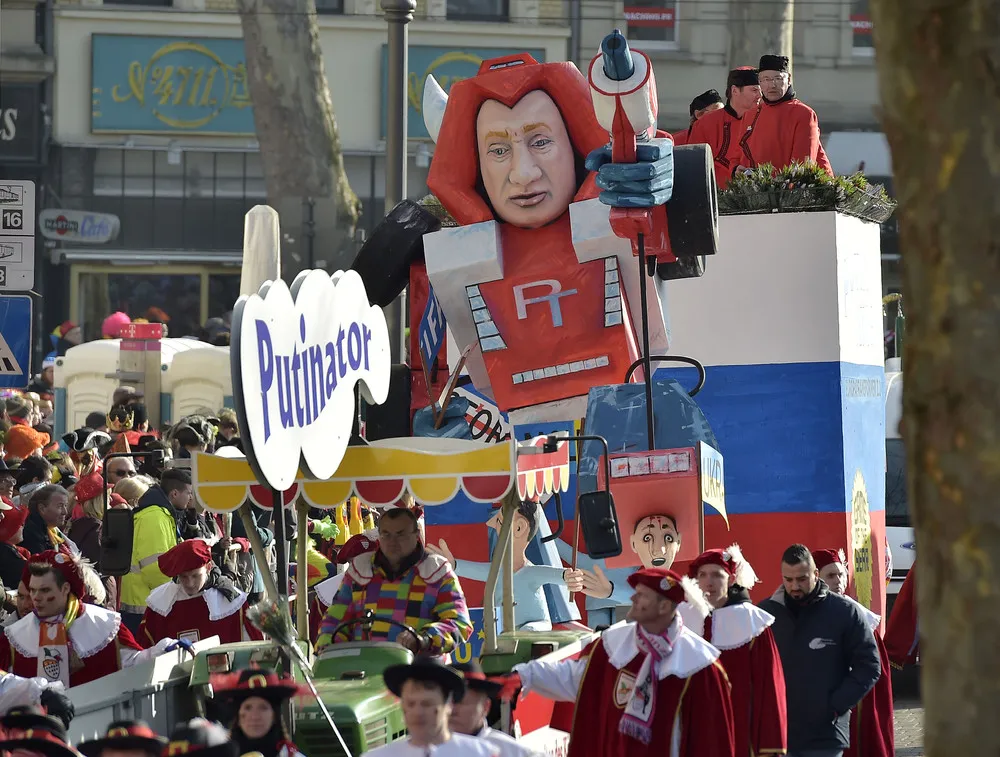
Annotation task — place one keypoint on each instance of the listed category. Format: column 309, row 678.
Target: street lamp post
column 398, row 13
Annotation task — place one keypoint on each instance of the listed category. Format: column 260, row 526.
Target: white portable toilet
column 195, row 380
column 195, row 376
column 82, row 385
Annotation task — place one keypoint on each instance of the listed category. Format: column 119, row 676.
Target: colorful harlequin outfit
column 424, row 594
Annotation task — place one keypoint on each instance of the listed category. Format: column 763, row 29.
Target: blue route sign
column 15, row 341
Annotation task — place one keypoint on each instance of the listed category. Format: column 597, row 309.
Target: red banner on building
column 861, row 24
column 639, row 15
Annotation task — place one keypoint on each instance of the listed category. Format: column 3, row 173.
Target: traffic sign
column 15, row 341
column 17, row 236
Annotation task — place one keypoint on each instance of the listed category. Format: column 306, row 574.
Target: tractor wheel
column 684, row 268
column 693, row 210
column 384, row 260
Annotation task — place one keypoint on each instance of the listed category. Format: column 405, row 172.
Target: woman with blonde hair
column 132, row 488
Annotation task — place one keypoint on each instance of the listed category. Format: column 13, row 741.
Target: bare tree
column 298, row 135
column 939, row 73
column 758, row 27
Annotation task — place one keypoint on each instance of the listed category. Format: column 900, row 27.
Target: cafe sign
column 78, row 226
column 448, row 65
column 155, row 85
column 296, row 356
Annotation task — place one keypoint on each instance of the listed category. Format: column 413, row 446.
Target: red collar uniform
column 742, row 634
column 86, row 643
column 727, row 134
column 636, row 702
column 901, row 637
column 872, row 723
column 172, row 614
column 785, row 132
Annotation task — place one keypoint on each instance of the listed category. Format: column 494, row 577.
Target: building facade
column 153, row 124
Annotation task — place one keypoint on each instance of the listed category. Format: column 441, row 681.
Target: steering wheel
column 369, row 617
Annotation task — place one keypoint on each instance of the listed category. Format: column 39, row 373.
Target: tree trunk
column 939, row 73
column 298, row 136
column 759, row 28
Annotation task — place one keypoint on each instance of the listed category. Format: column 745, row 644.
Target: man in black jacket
column 828, row 655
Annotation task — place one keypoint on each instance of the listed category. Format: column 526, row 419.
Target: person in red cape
column 902, row 639
column 741, row 631
column 787, row 130
column 648, row 687
column 198, row 603
column 255, row 699
column 65, row 639
column 705, row 103
column 872, row 728
column 726, row 130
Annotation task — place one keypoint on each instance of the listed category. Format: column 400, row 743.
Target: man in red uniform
column 902, row 639
column 872, row 729
column 742, row 633
column 725, row 130
column 649, row 687
column 787, row 130
column 702, row 105
column 65, row 639
column 198, row 603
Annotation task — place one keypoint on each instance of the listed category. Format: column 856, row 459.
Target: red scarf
column 641, row 708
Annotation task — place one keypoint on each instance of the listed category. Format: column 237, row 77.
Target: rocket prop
column 623, row 90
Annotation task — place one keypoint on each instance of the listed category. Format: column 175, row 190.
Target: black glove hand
column 57, row 704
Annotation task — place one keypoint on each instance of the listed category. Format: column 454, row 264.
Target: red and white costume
column 668, row 698
column 741, row 631
column 84, row 644
column 872, row 723
column 172, row 613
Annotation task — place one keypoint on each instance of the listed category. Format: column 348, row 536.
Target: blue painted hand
column 644, row 184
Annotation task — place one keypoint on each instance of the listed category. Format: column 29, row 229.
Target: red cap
column 712, row 557
column 12, row 520
column 64, row 564
column 664, row 582
column 116, row 500
column 188, row 555
column 732, row 560
column 88, row 487
column 356, row 545
column 65, row 327
column 824, row 557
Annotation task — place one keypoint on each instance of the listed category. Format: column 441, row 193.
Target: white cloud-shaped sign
column 296, row 356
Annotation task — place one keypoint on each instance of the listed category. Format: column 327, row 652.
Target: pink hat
column 113, row 324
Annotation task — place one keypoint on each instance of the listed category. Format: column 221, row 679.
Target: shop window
column 479, row 10
column 178, row 295
column 329, row 6
column 652, row 23
column 223, row 291
column 862, row 42
column 156, row 3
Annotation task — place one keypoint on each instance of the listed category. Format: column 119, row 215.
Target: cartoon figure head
column 656, row 540
column 511, row 142
column 524, row 527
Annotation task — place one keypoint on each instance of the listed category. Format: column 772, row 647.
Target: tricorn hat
column 125, row 734
column 475, row 678
column 85, row 438
column 262, row 683
column 425, row 670
column 200, row 738
column 30, row 729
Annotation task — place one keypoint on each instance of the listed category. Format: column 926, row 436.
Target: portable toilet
column 194, row 375
column 195, row 380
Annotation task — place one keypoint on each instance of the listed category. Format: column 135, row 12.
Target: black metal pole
column 645, row 341
column 280, row 544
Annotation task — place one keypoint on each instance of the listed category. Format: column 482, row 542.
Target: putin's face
column 526, row 160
